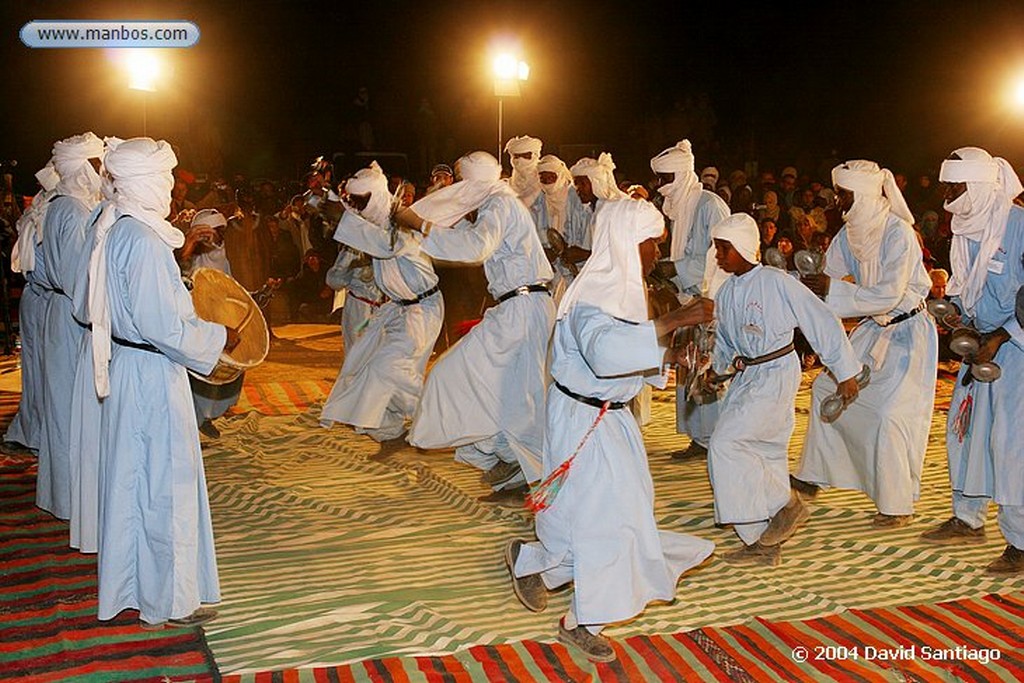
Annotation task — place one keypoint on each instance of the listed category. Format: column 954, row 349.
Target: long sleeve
column 849, row 299
column 613, row 348
column 467, row 242
column 362, row 235
column 822, row 329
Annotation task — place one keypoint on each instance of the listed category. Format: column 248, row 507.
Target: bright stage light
column 143, row 70
column 505, row 67
column 1017, row 93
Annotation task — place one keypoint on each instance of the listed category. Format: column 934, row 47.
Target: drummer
column 204, row 248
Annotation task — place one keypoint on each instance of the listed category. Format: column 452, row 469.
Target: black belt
column 905, row 316
column 525, row 289
column 409, row 302
column 84, row 326
column 369, row 302
column 589, row 400
column 741, row 363
column 142, row 346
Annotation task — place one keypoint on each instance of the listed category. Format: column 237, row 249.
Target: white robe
column 698, row 420
column 601, row 532
column 490, row 385
column 361, row 290
column 989, row 461
column 747, row 457
column 381, row 379
column 877, row 445
column 156, row 549
column 63, row 241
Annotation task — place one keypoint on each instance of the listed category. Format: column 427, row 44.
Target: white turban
column 739, row 230
column 78, row 178
column 979, row 215
column 524, row 180
column 601, row 172
column 710, row 172
column 681, row 195
column 372, row 181
column 875, row 197
column 47, row 176
column 556, row 194
column 208, row 218
column 481, row 179
column 141, row 172
column 612, row 278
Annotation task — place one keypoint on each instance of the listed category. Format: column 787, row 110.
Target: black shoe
column 209, row 429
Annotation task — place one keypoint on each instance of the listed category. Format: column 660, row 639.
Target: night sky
column 271, row 83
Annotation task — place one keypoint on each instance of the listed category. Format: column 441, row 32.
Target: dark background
column 270, row 84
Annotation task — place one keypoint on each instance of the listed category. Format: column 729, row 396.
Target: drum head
column 219, row 298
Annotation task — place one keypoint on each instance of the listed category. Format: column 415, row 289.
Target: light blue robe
column 601, row 532
column 485, row 395
column 64, row 239
column 86, row 413
column 877, row 445
column 698, row 420
column 156, row 550
column 361, row 291
column 26, row 427
column 747, row 457
column 989, row 462
column 380, row 382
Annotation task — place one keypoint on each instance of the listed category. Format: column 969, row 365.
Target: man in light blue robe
column 156, row 550
column 380, row 382
column 77, row 161
column 691, row 211
column 983, row 430
column 878, row 444
column 353, row 272
column 756, row 311
column 485, row 395
column 598, row 531
column 26, row 427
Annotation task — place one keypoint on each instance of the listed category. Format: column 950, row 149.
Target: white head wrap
column 602, row 176
column 979, row 215
column 710, row 174
column 875, row 197
column 208, row 218
column 142, row 181
column 556, row 194
column 739, row 230
column 371, row 180
column 78, row 178
column 612, row 278
column 524, row 180
column 681, row 195
column 30, row 224
column 481, row 178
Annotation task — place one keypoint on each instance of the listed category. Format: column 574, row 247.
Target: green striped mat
column 328, row 556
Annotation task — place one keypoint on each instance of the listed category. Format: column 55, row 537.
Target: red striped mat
column 48, row 625
column 971, row 640
column 281, row 398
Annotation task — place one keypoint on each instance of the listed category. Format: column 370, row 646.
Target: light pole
column 509, row 71
column 143, row 69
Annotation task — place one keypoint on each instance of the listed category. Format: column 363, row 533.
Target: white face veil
column 681, row 195
column 979, row 215
column 875, row 197
column 525, row 181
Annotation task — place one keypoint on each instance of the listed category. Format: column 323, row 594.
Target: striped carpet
column 966, row 640
column 48, row 625
column 329, row 556
column 281, row 398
